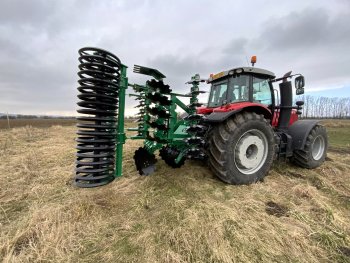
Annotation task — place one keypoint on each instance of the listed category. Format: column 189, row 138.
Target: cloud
column 39, row 41
column 312, row 41
column 306, row 29
column 26, row 13
column 236, row 46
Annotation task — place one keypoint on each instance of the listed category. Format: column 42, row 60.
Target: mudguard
column 223, row 113
column 220, row 116
column 299, row 131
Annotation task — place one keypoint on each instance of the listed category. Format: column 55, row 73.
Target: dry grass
column 43, row 123
column 174, row 215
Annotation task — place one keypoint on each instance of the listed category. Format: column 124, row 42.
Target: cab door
column 261, row 92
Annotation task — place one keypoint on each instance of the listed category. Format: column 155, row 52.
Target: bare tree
column 325, row 107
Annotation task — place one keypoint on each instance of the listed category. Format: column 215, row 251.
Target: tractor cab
column 244, row 84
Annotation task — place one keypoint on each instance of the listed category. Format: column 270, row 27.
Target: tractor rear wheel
column 315, row 149
column 241, row 150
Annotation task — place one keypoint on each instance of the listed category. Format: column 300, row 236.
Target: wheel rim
column 250, row 151
column 318, row 147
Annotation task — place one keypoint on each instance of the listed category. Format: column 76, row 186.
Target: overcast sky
column 39, row 41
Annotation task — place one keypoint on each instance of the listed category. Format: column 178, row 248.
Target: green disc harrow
column 101, row 133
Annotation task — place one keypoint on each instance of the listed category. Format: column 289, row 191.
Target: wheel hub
column 318, row 148
column 251, row 151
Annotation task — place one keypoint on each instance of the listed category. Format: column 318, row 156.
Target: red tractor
column 249, row 125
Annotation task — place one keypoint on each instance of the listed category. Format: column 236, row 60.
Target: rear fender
column 220, row 116
column 299, row 131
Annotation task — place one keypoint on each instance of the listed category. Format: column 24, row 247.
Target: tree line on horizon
column 30, row 116
column 325, row 107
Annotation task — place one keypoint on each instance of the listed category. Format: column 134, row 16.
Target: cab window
column 261, row 91
column 238, row 89
column 218, row 94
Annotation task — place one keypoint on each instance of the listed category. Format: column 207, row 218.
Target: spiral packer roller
column 100, row 136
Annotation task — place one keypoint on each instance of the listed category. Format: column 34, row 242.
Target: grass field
column 42, row 123
column 174, row 215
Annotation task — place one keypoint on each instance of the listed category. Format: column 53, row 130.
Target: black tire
column 223, row 156
column 315, row 149
column 169, row 154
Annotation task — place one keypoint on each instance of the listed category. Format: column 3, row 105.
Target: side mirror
column 299, row 85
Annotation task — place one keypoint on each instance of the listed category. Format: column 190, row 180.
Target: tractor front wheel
column 241, row 150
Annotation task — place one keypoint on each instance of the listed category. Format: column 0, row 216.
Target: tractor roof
column 241, row 70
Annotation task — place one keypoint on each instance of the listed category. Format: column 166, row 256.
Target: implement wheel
column 315, row 149
column 242, row 149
